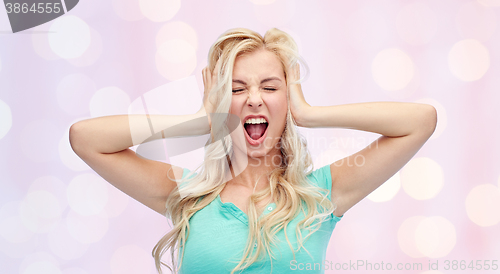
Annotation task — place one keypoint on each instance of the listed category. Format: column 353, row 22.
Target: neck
column 252, row 172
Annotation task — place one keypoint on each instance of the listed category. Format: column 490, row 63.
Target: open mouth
column 256, row 127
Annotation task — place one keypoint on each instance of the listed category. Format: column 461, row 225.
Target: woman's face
column 260, row 101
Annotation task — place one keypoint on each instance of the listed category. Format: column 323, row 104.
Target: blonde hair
column 287, row 183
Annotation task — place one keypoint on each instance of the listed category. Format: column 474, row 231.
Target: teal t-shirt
column 219, row 231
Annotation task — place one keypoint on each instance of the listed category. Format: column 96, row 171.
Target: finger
column 205, row 72
column 206, row 78
column 217, row 68
column 296, row 72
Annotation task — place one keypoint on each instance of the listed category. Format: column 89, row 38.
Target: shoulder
column 321, row 177
column 185, row 172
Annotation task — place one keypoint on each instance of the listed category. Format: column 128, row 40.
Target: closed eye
column 270, row 89
column 237, row 90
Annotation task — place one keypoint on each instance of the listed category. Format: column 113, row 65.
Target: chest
column 241, row 199
column 219, row 233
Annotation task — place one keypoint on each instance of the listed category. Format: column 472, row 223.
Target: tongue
column 255, row 131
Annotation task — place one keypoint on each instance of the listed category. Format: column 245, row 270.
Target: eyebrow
column 263, row 81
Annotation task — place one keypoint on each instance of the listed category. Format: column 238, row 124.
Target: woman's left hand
column 298, row 104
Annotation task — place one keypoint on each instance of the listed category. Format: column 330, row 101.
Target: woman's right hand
column 209, row 82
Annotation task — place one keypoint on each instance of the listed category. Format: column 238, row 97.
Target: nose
column 254, row 99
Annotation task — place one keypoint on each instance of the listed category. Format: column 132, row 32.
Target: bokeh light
column 367, row 29
column 406, row 236
column 275, row 13
column 416, row 23
column 40, row 42
column 12, row 228
column 5, row 119
column 63, row 245
column 179, row 97
column 69, row 36
column 176, row 59
column 159, row 10
column 392, row 69
column 333, row 69
column 469, row 60
column 483, row 205
column 39, row 139
column 74, row 92
column 109, row 101
column 42, row 267
column 475, row 21
column 262, row 2
column 39, row 263
column 176, row 51
column 128, row 10
column 40, row 211
column 92, row 54
column 53, row 185
column 16, row 240
column 387, row 190
column 354, row 241
column 87, row 229
column 177, row 30
column 74, row 270
column 435, row 237
column 442, row 115
column 432, row 237
column 131, row 259
column 22, row 249
column 87, row 194
column 490, row 3
column 422, row 178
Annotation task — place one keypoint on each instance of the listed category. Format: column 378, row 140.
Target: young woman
column 255, row 205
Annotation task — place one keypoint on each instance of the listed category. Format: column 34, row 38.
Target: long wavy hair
column 287, row 183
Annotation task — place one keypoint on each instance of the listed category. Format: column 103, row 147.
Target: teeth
column 256, row 121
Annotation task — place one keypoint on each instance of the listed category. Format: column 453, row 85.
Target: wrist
column 200, row 114
column 302, row 114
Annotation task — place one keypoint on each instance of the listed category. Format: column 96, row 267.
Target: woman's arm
column 103, row 143
column 115, row 133
column 392, row 119
column 405, row 128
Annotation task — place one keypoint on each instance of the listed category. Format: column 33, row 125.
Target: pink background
column 137, row 56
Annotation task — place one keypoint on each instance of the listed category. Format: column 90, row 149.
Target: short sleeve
column 185, row 172
column 322, row 178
